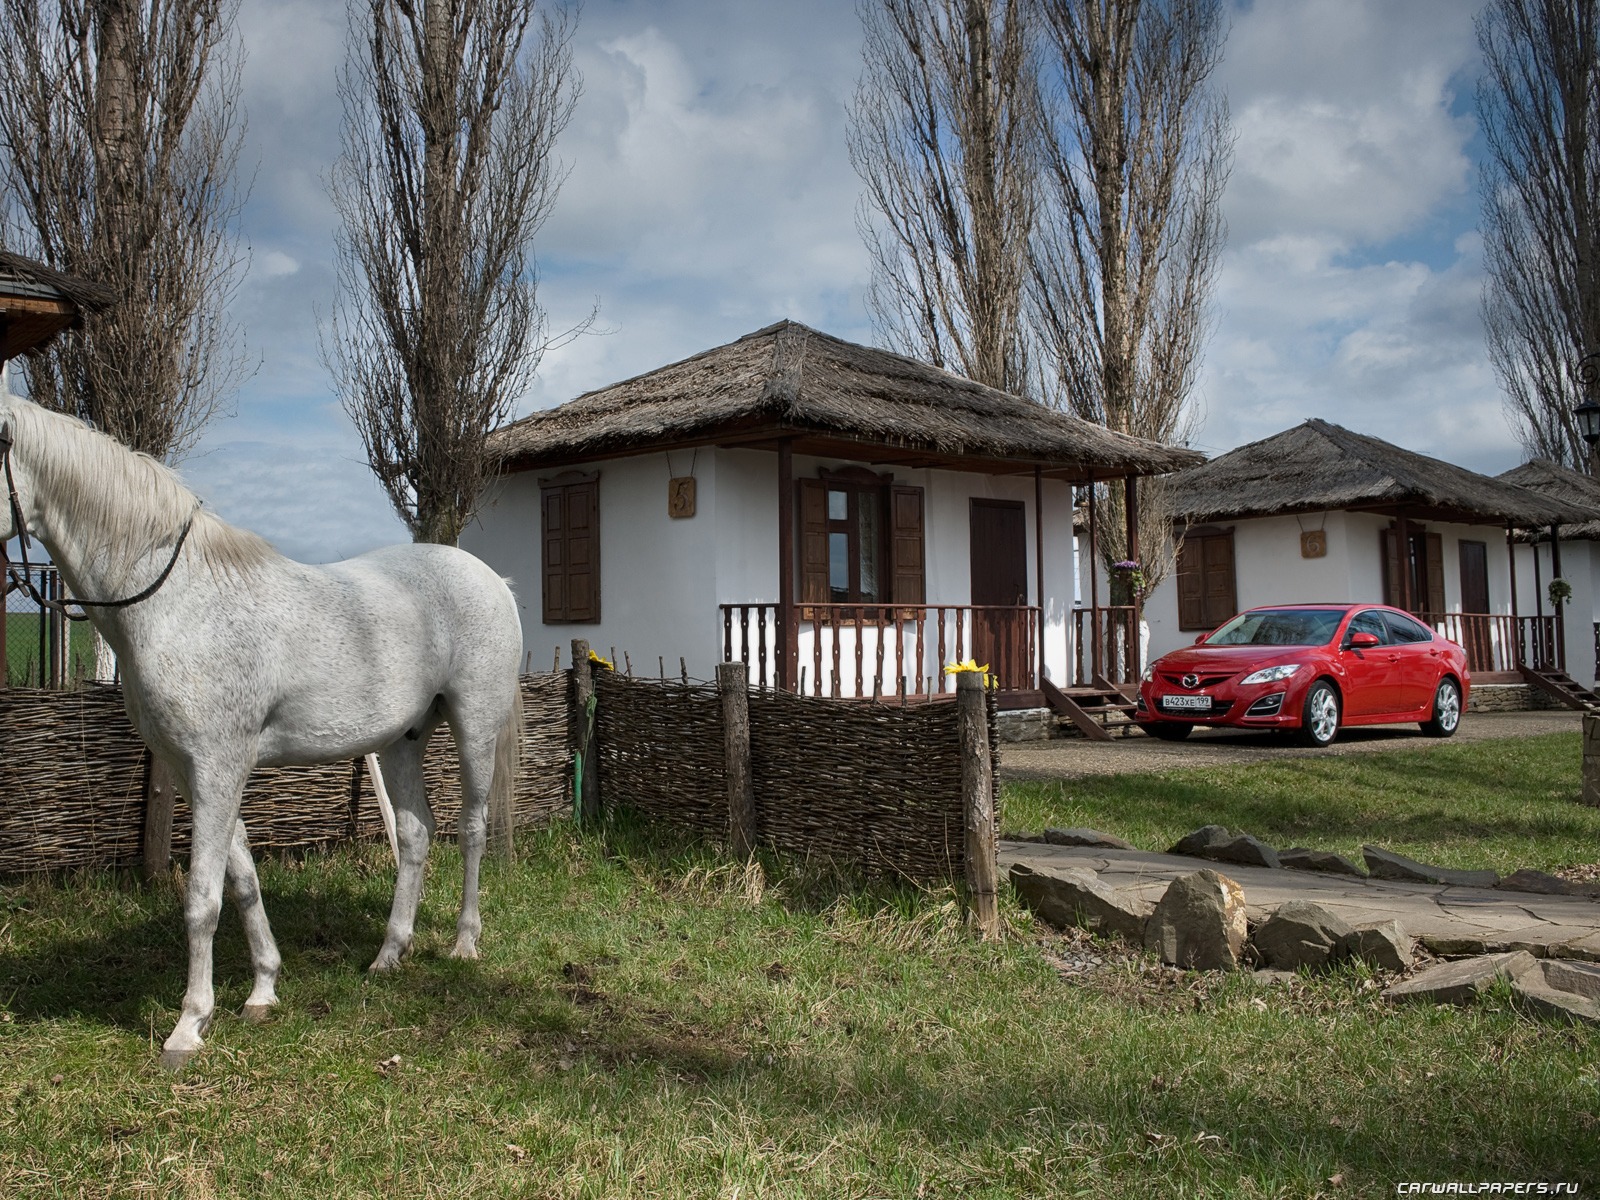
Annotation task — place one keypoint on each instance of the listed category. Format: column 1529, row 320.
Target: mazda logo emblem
column 1191, row 681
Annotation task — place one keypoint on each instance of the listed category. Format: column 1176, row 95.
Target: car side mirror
column 1364, row 640
column 1202, row 637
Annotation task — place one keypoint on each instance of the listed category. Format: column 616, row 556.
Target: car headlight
column 1149, row 674
column 1271, row 674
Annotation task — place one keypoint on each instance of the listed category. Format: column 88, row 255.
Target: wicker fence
column 873, row 784
column 73, row 780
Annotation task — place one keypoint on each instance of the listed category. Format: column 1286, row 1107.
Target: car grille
column 1209, row 680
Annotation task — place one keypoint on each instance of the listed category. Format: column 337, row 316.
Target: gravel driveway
column 1068, row 758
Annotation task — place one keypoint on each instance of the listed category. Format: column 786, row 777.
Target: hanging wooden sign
column 1313, row 544
column 680, row 496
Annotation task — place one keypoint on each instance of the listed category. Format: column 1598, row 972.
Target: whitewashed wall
column 1580, row 566
column 663, row 579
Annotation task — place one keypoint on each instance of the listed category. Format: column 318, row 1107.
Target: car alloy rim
column 1449, row 706
column 1324, row 716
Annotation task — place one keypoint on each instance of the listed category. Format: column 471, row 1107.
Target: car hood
column 1203, row 659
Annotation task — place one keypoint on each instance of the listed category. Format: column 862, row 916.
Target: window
column 1425, row 569
column 1404, row 630
column 861, row 539
column 569, row 519
column 1206, row 593
column 1371, row 622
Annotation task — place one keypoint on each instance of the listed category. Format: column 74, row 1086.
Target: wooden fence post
column 1591, row 759
column 733, row 684
column 586, row 767
column 160, row 795
column 977, row 792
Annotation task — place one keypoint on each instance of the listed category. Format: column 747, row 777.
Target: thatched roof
column 1318, row 466
column 833, row 399
column 1556, row 482
column 36, row 303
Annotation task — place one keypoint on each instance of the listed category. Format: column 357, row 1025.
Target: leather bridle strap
column 24, row 582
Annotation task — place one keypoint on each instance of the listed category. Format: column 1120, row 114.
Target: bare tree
column 452, row 109
column 1539, row 104
column 120, row 137
column 943, row 133
column 1138, row 149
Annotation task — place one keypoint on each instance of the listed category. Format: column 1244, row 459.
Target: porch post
column 1511, row 571
column 1559, row 606
column 5, row 588
column 1038, row 557
column 1094, row 585
column 1130, row 493
column 789, row 647
column 1402, row 534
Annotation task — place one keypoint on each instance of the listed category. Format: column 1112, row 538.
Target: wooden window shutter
column 1191, row 585
column 1391, row 567
column 1435, row 574
column 1219, row 599
column 906, row 534
column 813, row 507
column 570, row 550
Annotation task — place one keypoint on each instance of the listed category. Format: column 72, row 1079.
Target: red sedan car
column 1309, row 669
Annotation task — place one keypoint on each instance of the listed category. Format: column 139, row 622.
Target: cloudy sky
column 710, row 194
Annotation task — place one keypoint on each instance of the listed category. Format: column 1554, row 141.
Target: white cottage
column 1572, row 554
column 843, row 519
column 1320, row 513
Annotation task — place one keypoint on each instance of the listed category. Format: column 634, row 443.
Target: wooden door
column 1475, row 606
column 999, row 583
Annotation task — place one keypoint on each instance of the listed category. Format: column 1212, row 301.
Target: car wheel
column 1446, row 710
column 1169, row 731
column 1319, row 719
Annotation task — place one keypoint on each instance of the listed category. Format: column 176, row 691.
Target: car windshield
column 1279, row 627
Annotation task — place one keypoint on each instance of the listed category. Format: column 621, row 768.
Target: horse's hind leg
column 213, row 792
column 264, row 958
column 401, row 763
column 477, row 774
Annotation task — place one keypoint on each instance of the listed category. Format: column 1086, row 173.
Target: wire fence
column 39, row 647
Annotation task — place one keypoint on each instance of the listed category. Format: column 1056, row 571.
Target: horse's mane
column 128, row 503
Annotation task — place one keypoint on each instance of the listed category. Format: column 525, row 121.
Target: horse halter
column 24, row 582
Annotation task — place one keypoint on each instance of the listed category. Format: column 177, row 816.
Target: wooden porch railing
column 1498, row 642
column 1105, row 642
column 861, row 650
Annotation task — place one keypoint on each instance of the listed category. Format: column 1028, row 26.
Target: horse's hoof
column 466, row 951
column 384, row 963
column 256, row 1014
column 176, row 1060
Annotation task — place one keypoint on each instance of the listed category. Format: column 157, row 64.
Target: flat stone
column 1536, row 882
column 1197, row 842
column 1580, row 978
column 1585, row 948
column 1326, row 861
column 1199, row 924
column 1535, row 996
column 1385, row 946
column 1386, row 864
column 1069, row 897
column 1462, row 981
column 1086, row 837
column 1455, row 945
column 1244, row 850
column 1300, row 934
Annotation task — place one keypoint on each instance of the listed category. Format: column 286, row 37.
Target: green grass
column 649, row 1023
column 1498, row 804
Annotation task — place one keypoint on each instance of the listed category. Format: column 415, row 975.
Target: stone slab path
column 1448, row 920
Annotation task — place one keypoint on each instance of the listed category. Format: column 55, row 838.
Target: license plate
column 1187, row 703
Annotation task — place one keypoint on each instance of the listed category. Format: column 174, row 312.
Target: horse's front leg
column 401, row 763
column 213, row 790
column 245, row 889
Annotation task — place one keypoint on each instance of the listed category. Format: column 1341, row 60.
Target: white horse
column 241, row 657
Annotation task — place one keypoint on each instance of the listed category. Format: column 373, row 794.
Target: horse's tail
column 503, row 784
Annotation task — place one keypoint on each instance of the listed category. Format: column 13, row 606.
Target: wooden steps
column 1562, row 688
column 1097, row 712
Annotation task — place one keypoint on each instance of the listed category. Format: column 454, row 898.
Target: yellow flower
column 960, row 668
column 606, row 663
